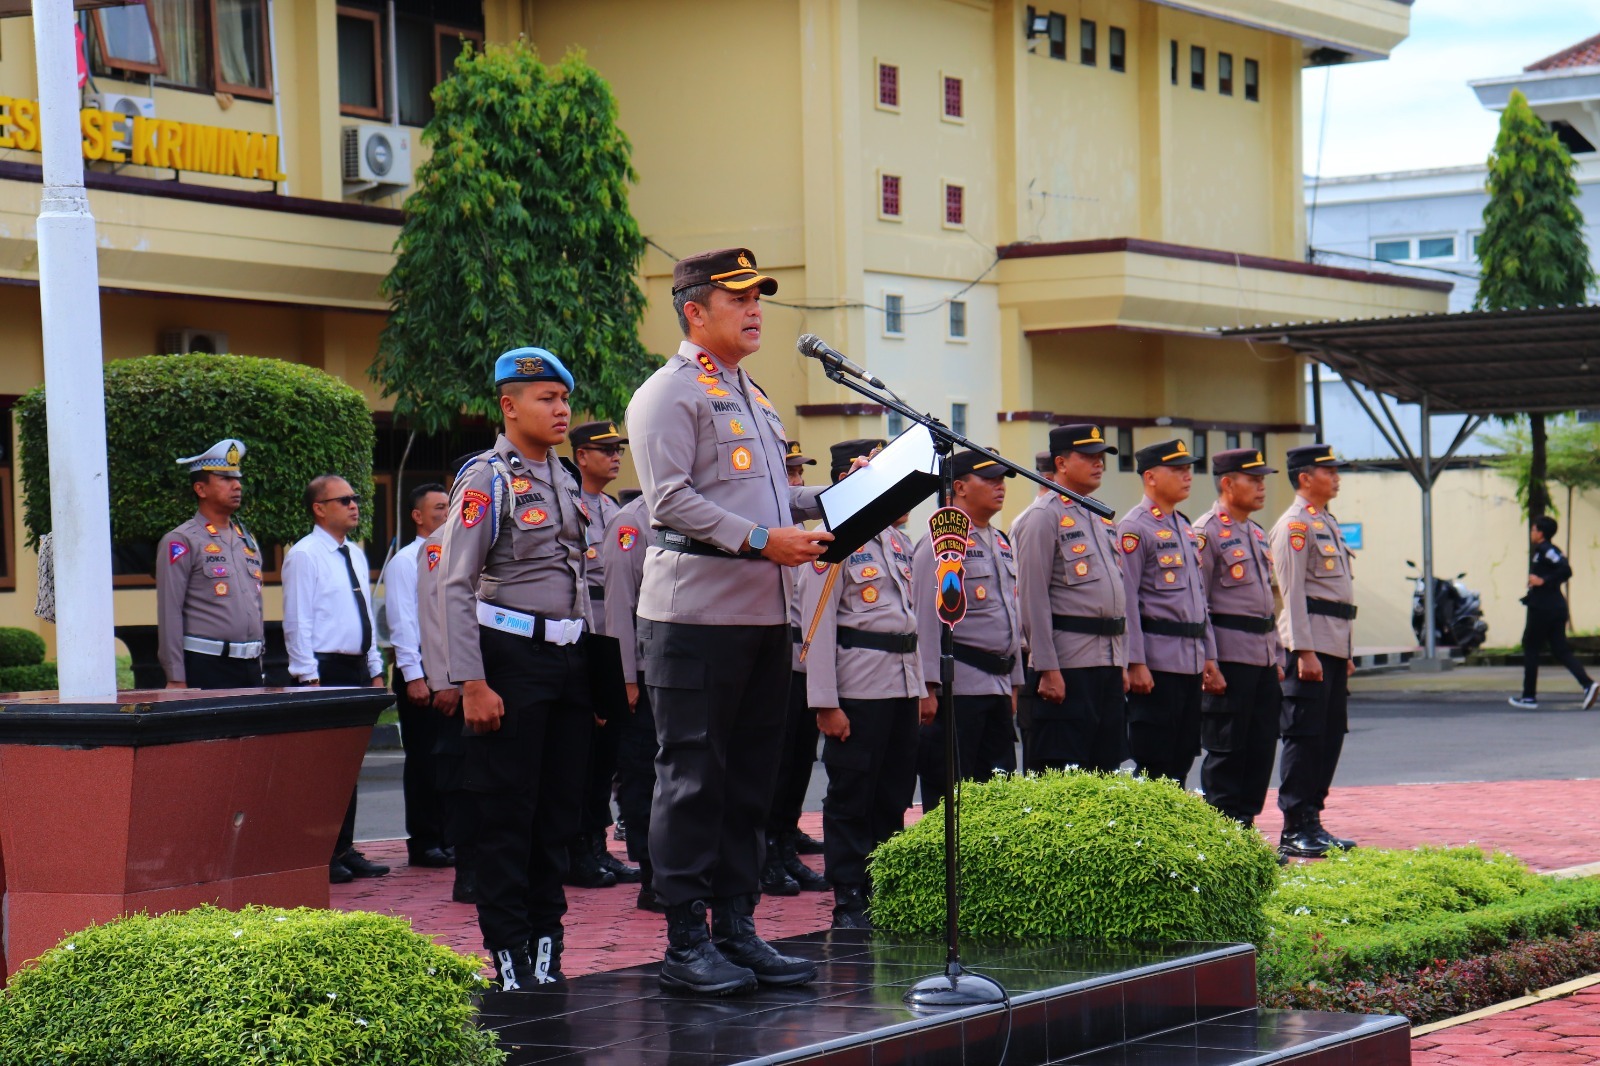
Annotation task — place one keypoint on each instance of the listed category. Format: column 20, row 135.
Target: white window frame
column 1414, row 247
column 966, row 322
column 966, row 414
column 945, row 184
column 944, row 115
column 877, row 85
column 877, row 192
column 901, row 314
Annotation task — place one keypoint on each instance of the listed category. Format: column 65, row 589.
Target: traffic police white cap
column 221, row 458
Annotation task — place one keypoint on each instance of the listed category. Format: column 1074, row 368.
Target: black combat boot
column 850, row 908
column 806, row 844
column 1326, row 837
column 513, row 969
column 804, row 876
column 623, row 872
column 775, row 879
column 544, row 950
column 648, row 900
column 1299, row 839
column 693, row 963
column 733, row 930
column 583, row 869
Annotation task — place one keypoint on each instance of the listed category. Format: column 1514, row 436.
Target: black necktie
column 361, row 600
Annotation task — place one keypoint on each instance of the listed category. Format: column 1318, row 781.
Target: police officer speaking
column 208, row 583
column 714, row 621
column 514, row 613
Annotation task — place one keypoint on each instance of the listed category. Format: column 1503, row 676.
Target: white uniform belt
column 226, row 649
column 533, row 626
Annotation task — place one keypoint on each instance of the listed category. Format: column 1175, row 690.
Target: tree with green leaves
column 518, row 234
column 1572, row 459
column 1532, row 252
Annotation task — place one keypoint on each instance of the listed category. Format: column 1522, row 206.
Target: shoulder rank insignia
column 211, row 529
column 706, row 363
column 1130, row 543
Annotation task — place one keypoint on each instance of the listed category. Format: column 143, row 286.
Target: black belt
column 1331, row 608
column 673, row 541
column 895, row 642
column 1163, row 628
column 1098, row 627
column 987, row 661
column 794, row 635
column 1245, row 623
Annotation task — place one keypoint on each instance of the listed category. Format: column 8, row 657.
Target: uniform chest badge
column 532, row 517
column 1237, row 553
column 220, row 588
column 592, row 553
column 474, row 505
column 519, row 485
column 740, row 459
column 1081, row 569
column 819, row 566
column 869, row 595
column 1067, row 521
column 714, row 391
column 1079, row 548
column 1171, row 560
column 1130, row 543
column 211, row 529
column 869, row 571
column 1327, row 564
column 981, row 593
column 1237, row 570
column 707, row 379
column 627, row 537
column 213, row 549
column 433, row 552
column 761, row 399
column 736, row 426
column 176, row 550
column 219, row 571
column 1319, row 524
column 1169, row 577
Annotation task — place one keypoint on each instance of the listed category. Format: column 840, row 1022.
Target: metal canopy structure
column 1476, row 364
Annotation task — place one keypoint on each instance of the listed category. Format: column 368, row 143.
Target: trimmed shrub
column 36, row 677
column 20, row 647
column 1102, row 856
column 296, row 422
column 221, row 988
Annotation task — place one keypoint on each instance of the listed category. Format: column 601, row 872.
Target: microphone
column 814, row 347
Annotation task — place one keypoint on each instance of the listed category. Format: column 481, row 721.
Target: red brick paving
column 1547, row 824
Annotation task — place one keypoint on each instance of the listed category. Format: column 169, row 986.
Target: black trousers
column 719, row 694
column 1087, row 729
column 449, row 770
column 524, row 782
column 1239, row 732
column 1164, row 726
column 420, row 726
column 636, row 774
column 871, row 777
column 213, row 671
column 795, row 763
column 338, row 669
column 1543, row 627
column 1315, row 718
column 598, row 782
column 986, row 744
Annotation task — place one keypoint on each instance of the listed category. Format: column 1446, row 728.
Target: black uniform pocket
column 1305, row 707
column 679, row 699
column 1217, row 723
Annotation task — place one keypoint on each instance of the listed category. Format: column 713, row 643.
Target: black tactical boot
column 648, row 900
column 545, row 952
column 623, row 872
column 693, row 963
column 513, row 969
column 805, row 844
column 583, row 869
column 733, row 930
column 850, row 908
column 1328, row 839
column 775, row 879
column 804, row 876
column 1299, row 839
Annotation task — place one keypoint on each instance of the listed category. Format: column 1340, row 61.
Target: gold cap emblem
column 530, row 365
column 744, row 261
column 1094, row 432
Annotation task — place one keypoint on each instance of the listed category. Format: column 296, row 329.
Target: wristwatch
column 757, row 539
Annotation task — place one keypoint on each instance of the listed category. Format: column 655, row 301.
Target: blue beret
column 530, row 364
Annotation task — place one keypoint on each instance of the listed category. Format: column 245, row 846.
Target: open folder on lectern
column 861, row 506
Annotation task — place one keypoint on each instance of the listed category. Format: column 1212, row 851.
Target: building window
column 954, row 105
column 958, row 320
column 1197, row 67
column 1117, row 48
column 1200, row 448
column 1391, row 251
column 239, row 36
column 216, row 45
column 360, row 43
column 126, row 39
column 1174, row 62
column 1224, row 73
column 425, row 54
column 1230, row 439
column 889, row 86
column 894, row 324
column 889, row 196
column 1252, row 80
column 955, row 206
column 897, row 424
column 1058, row 36
column 1125, row 438
column 1476, row 237
column 1258, row 441
column 958, row 418
column 1087, row 40
column 1436, row 248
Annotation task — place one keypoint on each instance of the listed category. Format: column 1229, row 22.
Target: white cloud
column 1414, row 110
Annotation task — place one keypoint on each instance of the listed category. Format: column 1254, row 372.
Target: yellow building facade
column 1016, row 215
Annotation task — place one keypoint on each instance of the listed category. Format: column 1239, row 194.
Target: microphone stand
column 956, row 986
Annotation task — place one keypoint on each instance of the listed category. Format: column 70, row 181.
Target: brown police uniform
column 1312, row 565
column 1168, row 630
column 449, row 748
column 1239, row 729
column 622, row 551
column 1074, row 617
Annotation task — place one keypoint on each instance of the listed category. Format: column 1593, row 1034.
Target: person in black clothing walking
column 1548, row 570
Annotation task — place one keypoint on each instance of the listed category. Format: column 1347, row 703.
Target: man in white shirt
column 420, row 722
column 328, row 625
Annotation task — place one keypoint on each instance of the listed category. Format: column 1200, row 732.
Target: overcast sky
column 1414, row 110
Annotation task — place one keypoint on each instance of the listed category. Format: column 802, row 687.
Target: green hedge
column 20, row 647
column 1102, row 856
column 296, row 422
column 211, row 987
column 35, row 677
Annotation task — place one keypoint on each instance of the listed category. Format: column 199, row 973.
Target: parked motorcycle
column 1457, row 612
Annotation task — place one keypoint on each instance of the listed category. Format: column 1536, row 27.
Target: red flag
column 83, row 58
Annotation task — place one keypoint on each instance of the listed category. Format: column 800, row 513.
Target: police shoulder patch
column 176, row 550
column 474, row 506
column 1130, row 543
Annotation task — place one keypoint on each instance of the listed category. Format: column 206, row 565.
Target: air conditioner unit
column 127, row 107
column 377, row 154
column 190, row 341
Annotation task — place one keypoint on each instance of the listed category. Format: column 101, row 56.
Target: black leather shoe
column 806, row 845
column 361, row 866
column 775, row 879
column 733, row 931
column 583, row 869
column 620, row 832
column 624, row 873
column 850, row 908
column 693, row 963
column 1301, row 843
column 804, row 876
column 1329, row 839
column 649, row 901
column 465, row 890
column 434, row 858
column 339, row 873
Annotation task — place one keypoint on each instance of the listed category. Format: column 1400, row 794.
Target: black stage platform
column 1084, row 1003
